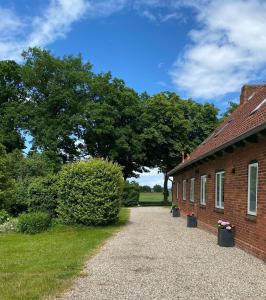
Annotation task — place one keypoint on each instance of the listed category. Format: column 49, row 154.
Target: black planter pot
column 226, row 238
column 192, row 221
column 176, row 212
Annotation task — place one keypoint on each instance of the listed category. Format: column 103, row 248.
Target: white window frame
column 218, row 202
column 203, row 178
column 249, row 178
column 192, row 190
column 184, row 189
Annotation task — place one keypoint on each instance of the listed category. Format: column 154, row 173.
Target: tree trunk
column 165, row 189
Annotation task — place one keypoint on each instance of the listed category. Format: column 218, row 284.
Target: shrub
column 4, row 216
column 16, row 198
column 90, row 192
column 34, row 222
column 130, row 194
column 43, row 195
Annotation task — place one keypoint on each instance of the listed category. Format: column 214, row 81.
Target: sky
column 201, row 49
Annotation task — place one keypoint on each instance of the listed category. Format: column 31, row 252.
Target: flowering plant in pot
column 191, row 220
column 225, row 234
column 175, row 211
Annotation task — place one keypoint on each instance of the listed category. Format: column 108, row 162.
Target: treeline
column 66, row 112
column 157, row 188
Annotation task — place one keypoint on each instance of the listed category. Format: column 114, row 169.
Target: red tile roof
column 243, row 122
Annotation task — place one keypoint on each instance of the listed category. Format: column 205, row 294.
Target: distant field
column 153, row 197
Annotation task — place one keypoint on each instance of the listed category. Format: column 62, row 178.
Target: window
column 184, row 189
column 177, row 190
column 203, row 181
column 252, row 188
column 219, row 190
column 192, row 188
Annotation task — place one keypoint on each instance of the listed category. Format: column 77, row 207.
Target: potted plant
column 175, row 211
column 225, row 234
column 191, row 220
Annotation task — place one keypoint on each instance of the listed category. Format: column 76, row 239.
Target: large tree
column 12, row 97
column 111, row 124
column 57, row 90
column 172, row 126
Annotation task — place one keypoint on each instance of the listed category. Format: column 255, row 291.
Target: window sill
column 218, row 210
column 203, row 206
column 191, row 203
column 251, row 218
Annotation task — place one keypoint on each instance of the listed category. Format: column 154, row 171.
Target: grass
column 153, row 197
column 34, row 266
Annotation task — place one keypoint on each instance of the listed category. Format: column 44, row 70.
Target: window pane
column 203, row 189
column 218, row 190
column 192, row 189
column 252, row 188
column 184, row 189
column 222, row 190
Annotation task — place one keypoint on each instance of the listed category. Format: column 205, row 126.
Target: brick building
column 225, row 176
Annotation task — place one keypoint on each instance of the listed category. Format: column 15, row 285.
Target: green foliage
column 12, row 96
column 145, row 189
column 112, row 124
column 90, row 192
column 157, row 188
column 33, row 222
column 6, row 182
column 131, row 193
column 232, row 106
column 172, row 126
column 4, row 216
column 15, row 201
column 43, row 195
column 58, row 89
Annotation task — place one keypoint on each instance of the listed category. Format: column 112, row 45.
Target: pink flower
column 223, row 223
column 220, row 221
column 228, row 227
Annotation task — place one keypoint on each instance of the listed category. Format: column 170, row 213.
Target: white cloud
column 54, row 23
column 150, row 178
column 227, row 51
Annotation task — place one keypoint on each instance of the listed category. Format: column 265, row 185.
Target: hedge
column 43, row 195
column 90, row 192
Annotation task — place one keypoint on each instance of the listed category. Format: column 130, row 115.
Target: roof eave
column 230, row 143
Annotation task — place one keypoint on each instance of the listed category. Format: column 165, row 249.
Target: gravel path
column 158, row 257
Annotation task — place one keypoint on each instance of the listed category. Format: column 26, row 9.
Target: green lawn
column 34, row 266
column 153, row 197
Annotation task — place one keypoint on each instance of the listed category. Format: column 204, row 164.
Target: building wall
column 250, row 230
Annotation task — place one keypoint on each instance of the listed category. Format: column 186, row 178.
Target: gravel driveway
column 157, row 257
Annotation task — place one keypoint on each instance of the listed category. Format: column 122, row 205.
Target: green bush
column 4, row 216
column 43, row 195
column 131, row 194
column 33, row 222
column 16, row 198
column 90, row 192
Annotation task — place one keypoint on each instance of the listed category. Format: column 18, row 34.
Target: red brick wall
column 250, row 231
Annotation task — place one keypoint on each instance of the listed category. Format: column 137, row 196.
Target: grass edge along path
column 43, row 265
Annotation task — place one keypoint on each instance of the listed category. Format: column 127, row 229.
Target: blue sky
column 204, row 49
